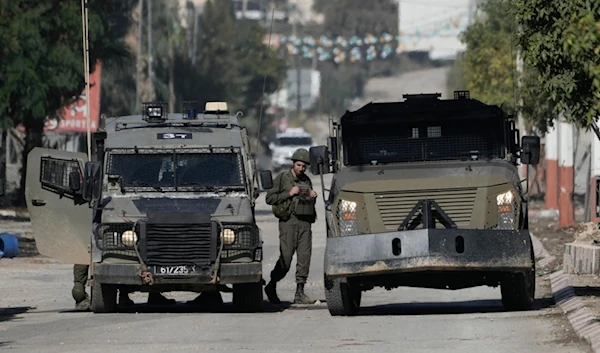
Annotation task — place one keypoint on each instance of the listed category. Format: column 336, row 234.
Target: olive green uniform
column 296, row 214
column 80, row 278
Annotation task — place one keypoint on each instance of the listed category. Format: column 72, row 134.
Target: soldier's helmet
column 302, row 155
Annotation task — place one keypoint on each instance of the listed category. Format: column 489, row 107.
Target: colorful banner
column 72, row 118
column 369, row 46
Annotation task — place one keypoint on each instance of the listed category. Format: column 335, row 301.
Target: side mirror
column 530, row 150
column 74, row 182
column 92, row 181
column 319, row 160
column 266, row 179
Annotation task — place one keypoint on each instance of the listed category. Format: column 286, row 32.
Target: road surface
column 36, row 316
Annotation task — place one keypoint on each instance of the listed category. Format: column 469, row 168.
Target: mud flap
column 60, row 218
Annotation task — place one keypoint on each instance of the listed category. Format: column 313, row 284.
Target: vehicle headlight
column 347, row 218
column 129, row 238
column 506, row 210
column 228, row 236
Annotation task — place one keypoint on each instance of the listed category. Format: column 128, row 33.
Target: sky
column 433, row 25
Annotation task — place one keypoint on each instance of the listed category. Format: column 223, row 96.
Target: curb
column 584, row 323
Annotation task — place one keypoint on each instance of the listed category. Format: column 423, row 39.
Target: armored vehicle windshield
column 178, row 169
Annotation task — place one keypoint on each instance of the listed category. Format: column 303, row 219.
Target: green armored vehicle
column 172, row 206
column 426, row 193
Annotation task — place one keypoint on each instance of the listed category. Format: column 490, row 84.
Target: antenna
column 86, row 71
column 262, row 101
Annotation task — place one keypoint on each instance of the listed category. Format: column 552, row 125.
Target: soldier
column 293, row 200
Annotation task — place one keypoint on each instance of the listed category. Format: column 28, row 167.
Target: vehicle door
column 61, row 219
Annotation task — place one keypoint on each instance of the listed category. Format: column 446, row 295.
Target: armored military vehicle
column 172, row 206
column 426, row 193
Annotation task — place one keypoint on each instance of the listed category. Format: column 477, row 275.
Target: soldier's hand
column 294, row 191
column 313, row 194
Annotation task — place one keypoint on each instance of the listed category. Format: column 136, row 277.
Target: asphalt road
column 36, row 316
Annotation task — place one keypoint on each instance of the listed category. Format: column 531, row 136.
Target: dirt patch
column 553, row 238
column 587, row 233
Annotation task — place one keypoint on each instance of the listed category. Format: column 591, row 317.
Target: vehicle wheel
column 518, row 289
column 342, row 298
column 248, row 297
column 104, row 298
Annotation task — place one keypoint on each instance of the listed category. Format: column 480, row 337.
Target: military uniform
column 296, row 215
column 80, row 278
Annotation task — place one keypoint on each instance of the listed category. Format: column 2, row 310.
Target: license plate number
column 174, row 270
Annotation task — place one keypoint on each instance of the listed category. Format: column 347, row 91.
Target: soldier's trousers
column 294, row 236
column 80, row 277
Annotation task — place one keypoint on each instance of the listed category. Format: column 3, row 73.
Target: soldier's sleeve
column 278, row 192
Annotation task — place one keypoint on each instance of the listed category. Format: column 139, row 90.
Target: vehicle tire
column 104, row 298
column 343, row 299
column 518, row 289
column 248, row 297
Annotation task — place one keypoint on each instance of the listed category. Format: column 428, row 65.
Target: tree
column 561, row 39
column 41, row 58
column 488, row 66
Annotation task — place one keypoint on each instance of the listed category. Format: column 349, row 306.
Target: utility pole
column 297, row 67
column 150, row 56
column 138, row 84
column 195, row 39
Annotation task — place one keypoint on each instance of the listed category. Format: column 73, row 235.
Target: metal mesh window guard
column 397, row 143
column 55, row 172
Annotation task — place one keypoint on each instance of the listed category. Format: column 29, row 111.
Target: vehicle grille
column 394, row 207
column 179, row 244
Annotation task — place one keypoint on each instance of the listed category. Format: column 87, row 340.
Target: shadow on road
column 587, row 291
column 7, row 314
column 182, row 307
column 463, row 307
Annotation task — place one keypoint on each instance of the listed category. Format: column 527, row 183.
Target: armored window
column 184, row 168
column 434, row 131
column 415, row 132
column 54, row 173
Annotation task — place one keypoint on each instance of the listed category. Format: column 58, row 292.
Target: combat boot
column 300, row 297
column 83, row 305
column 271, row 292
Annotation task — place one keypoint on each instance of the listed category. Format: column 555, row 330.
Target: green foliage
column 41, row 58
column 41, row 55
column 561, row 39
column 489, row 71
column 489, row 61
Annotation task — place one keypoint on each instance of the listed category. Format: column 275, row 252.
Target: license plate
column 174, row 270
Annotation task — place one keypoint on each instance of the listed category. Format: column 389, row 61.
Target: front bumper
column 428, row 250
column 129, row 274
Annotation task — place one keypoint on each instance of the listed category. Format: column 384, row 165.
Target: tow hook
column 146, row 276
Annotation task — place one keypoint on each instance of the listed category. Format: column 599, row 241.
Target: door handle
column 38, row 202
